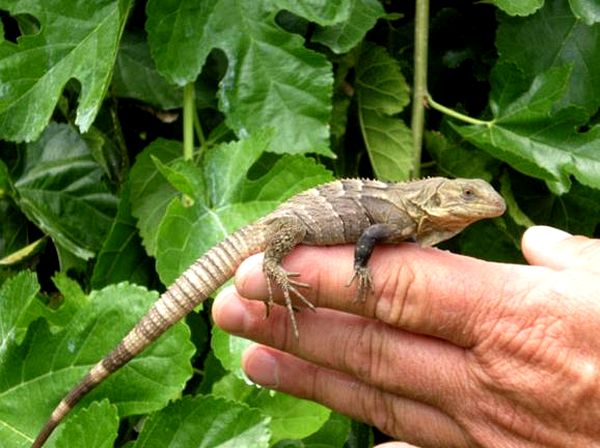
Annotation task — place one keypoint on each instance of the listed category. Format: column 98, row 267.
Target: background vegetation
column 135, row 135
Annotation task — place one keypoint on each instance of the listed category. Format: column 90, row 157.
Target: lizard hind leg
column 288, row 233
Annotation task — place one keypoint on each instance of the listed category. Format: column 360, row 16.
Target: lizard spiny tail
column 192, row 287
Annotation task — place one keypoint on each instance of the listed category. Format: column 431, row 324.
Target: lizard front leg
column 372, row 235
column 287, row 233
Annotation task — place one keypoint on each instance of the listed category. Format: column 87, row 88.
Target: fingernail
column 545, row 235
column 261, row 367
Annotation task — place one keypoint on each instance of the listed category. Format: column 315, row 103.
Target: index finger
column 426, row 291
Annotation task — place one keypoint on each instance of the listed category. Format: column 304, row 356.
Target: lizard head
column 464, row 201
column 453, row 204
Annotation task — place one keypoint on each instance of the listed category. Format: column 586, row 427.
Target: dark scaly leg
column 377, row 233
column 288, row 232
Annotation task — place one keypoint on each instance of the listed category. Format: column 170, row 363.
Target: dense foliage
column 135, row 135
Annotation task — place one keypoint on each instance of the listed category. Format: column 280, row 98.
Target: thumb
column 556, row 249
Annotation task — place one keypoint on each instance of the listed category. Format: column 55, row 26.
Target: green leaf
column 323, row 13
column 333, row 434
column 554, row 38
column 122, row 256
column 382, row 92
column 518, row 7
column 35, row 375
column 291, row 418
column 74, row 299
column 93, row 427
column 189, row 230
column 205, row 421
column 487, row 240
column 536, row 141
column 136, row 76
column 454, row 158
column 62, row 192
column 576, row 211
column 150, row 191
column 228, row 349
column 36, row 69
column 586, row 10
column 271, row 77
column 342, row 37
column 13, row 229
column 17, row 294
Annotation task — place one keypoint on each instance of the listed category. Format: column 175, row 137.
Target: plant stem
column 189, row 111
column 452, row 113
column 199, row 131
column 419, row 81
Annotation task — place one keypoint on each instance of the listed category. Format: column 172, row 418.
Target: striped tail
column 200, row 280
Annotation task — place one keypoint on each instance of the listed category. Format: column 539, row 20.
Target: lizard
column 365, row 212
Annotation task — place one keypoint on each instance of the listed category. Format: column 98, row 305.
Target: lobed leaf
column 35, row 375
column 271, row 78
column 537, row 141
column 35, row 70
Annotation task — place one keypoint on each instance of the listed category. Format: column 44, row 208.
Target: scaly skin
column 358, row 211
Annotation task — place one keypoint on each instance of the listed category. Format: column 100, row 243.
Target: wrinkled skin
column 448, row 350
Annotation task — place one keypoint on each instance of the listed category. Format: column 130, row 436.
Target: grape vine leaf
column 75, row 40
column 271, row 77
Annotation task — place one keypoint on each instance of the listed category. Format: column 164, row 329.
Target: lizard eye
column 468, row 194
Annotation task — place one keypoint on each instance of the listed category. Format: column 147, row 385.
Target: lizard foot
column 365, row 283
column 289, row 287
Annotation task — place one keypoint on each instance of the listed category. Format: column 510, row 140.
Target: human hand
column 448, row 351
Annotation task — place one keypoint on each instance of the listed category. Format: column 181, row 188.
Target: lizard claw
column 365, row 283
column 282, row 279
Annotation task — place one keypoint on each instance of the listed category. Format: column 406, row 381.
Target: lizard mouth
column 494, row 210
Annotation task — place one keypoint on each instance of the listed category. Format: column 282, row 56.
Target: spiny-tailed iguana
column 365, row 212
